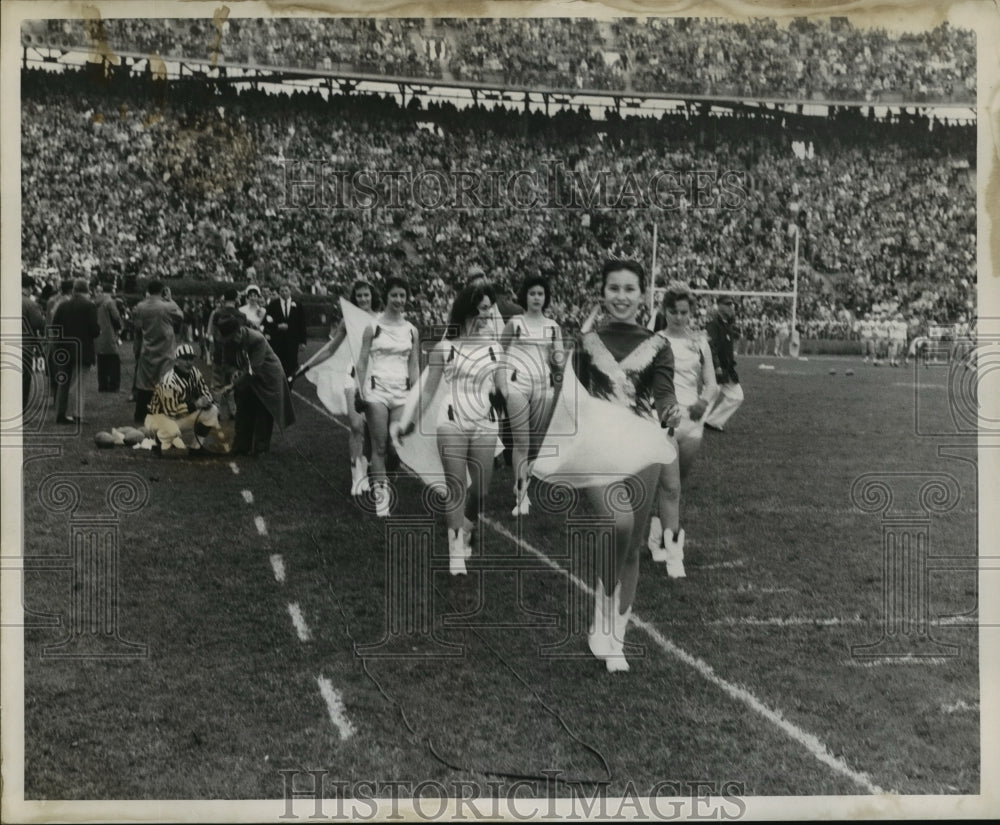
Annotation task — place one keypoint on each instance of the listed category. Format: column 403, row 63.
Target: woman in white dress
column 388, row 367
column 533, row 356
column 336, row 383
column 695, row 388
column 469, row 361
column 607, row 438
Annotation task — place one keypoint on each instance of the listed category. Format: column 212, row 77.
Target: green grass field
column 745, row 672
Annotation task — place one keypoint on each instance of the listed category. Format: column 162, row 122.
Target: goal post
column 793, row 294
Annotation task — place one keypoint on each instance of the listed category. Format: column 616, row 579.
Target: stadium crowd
column 808, row 58
column 886, row 211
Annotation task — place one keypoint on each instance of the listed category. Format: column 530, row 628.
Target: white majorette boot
column 616, row 662
column 675, row 554
column 456, row 552
column 599, row 636
column 356, row 478
column 468, row 528
column 655, row 540
column 364, row 485
column 382, row 499
column 522, row 504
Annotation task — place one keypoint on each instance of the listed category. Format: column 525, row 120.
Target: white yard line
column 961, row 707
column 335, row 707
column 260, row 524
column 777, row 621
column 891, row 661
column 809, row 741
column 247, row 496
column 278, row 565
column 301, row 628
column 721, row 565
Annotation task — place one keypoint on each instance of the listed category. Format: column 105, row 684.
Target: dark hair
column 27, row 282
column 227, row 324
column 81, row 286
column 154, row 287
column 391, row 283
column 66, row 287
column 532, row 281
column 361, row 284
column 230, row 294
column 466, row 304
column 614, row 265
column 677, row 291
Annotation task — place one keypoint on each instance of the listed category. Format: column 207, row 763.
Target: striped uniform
column 175, row 397
column 172, row 412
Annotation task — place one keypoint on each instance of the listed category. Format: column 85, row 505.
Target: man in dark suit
column 109, row 364
column 285, row 329
column 74, row 328
column 32, row 331
column 722, row 334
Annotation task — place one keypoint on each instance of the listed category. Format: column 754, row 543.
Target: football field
column 824, row 642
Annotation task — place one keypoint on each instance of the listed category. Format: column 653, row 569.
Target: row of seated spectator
column 114, row 179
column 807, row 58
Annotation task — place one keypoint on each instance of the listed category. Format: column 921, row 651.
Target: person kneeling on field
column 181, row 403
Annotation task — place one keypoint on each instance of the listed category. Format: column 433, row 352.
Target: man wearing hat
column 181, row 400
column 722, row 335
column 263, row 398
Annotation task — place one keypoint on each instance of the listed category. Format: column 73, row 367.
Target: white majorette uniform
column 528, row 358
column 388, row 378
column 469, row 371
column 690, row 354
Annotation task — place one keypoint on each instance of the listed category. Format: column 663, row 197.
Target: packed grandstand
column 214, row 182
column 807, row 58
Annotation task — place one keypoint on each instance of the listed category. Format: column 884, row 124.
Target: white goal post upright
column 794, row 341
column 652, row 280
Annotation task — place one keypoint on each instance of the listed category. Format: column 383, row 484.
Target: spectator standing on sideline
column 722, row 333
column 260, row 386
column 223, row 352
column 109, row 363
column 157, row 320
column 32, row 330
column 252, row 309
column 64, row 294
column 285, row 329
column 76, row 327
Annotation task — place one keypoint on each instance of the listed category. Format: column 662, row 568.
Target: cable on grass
column 425, row 739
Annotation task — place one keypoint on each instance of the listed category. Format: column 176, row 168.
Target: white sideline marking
column 335, row 707
column 777, row 621
column 749, row 588
column 248, row 497
column 260, row 524
column 721, row 564
column 234, row 468
column 958, row 621
column 895, row 660
column 300, row 623
column 278, row 565
column 807, row 740
column 960, row 707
